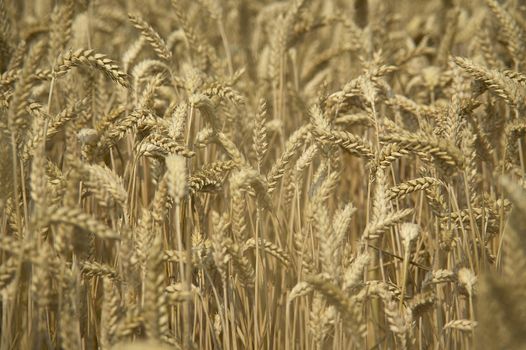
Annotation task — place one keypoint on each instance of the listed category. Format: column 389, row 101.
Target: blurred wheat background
column 255, row 174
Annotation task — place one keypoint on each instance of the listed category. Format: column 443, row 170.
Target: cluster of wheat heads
column 234, row 174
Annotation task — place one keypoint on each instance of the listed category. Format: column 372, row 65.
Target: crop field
column 258, row 174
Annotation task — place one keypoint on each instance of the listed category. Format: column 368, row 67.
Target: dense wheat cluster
column 258, row 174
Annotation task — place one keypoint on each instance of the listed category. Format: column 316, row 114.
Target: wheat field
column 258, row 174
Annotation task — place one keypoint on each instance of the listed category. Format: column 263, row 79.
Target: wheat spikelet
column 439, row 149
column 347, row 141
column 92, row 269
column 210, row 177
column 461, row 325
column 89, row 58
column 411, row 186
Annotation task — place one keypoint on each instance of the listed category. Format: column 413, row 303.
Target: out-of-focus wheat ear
column 514, row 132
column 484, row 148
column 154, row 39
column 206, row 107
column 6, row 37
column 282, row 164
column 131, row 53
column 238, row 205
column 300, row 289
column 200, row 50
column 399, row 322
column 146, row 68
column 220, row 243
column 142, row 239
column 507, row 88
column 323, row 231
column 447, row 39
column 303, row 162
column 408, row 232
column 148, row 94
column 161, row 200
column 349, row 308
column 17, row 57
column 63, row 239
column 68, row 320
column 8, row 271
column 500, row 314
column 514, row 256
column 90, row 58
column 177, row 177
column 342, row 221
column 7, row 78
column 60, row 29
column 353, row 275
column 467, row 280
column 247, row 177
column 105, row 184
column 406, row 104
column 20, row 98
column 6, row 171
column 471, row 166
column 230, row 148
column 41, row 288
column 154, row 288
column 38, row 186
column 108, row 119
column 513, row 33
column 331, row 238
column 421, row 303
column 321, row 317
column 241, row 265
column 76, row 217
column 132, row 322
column 259, row 138
column 111, row 313
column 178, row 121
column 486, row 46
